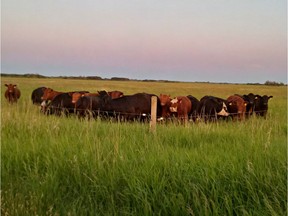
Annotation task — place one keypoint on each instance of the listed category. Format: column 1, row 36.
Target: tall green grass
column 65, row 166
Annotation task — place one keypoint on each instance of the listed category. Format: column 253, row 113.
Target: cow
column 61, row 104
column 115, row 94
column 261, row 105
column 250, row 100
column 77, row 95
column 194, row 104
column 211, row 108
column 130, row 107
column 12, row 93
column 236, row 107
column 49, row 94
column 182, row 106
column 90, row 105
column 37, row 95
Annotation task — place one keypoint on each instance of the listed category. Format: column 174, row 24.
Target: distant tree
column 273, row 83
column 120, row 79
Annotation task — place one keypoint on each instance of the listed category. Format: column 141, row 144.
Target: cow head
column 223, row 111
column 10, row 87
column 48, row 94
column 76, row 96
column 174, row 105
column 265, row 99
column 165, row 100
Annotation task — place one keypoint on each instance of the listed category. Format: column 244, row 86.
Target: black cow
column 130, row 107
column 37, row 94
column 261, row 105
column 90, row 106
column 195, row 103
column 211, row 108
column 250, row 100
column 60, row 105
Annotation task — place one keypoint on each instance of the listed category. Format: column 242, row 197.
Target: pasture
column 53, row 165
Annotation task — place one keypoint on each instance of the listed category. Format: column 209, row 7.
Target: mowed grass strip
column 64, row 166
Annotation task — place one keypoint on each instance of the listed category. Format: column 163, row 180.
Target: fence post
column 153, row 114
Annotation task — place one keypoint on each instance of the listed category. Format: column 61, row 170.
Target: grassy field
column 63, row 166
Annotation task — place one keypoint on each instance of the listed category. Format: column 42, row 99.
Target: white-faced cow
column 211, row 108
column 182, row 106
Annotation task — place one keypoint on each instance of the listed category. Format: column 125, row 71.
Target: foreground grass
column 62, row 166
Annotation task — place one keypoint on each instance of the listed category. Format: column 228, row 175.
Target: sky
column 186, row 40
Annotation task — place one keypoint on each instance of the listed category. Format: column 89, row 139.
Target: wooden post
column 153, row 114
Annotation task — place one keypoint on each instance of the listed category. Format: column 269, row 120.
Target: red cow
column 236, row 107
column 182, row 106
column 12, row 93
column 77, row 95
column 50, row 94
column 115, row 94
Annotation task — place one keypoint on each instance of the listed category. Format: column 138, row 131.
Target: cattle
column 182, row 106
column 90, row 105
column 50, row 94
column 165, row 102
column 130, row 107
column 12, row 93
column 211, row 108
column 194, row 104
column 115, row 94
column 61, row 104
column 112, row 94
column 37, row 94
column 261, row 105
column 236, row 107
column 77, row 95
column 250, row 100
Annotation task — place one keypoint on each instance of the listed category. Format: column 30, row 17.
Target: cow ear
column 245, row 104
column 230, row 104
column 6, row 85
column 270, row 97
column 14, row 86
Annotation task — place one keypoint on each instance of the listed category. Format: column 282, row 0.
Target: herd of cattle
column 138, row 106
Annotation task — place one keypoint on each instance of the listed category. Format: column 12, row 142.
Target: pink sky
column 240, row 42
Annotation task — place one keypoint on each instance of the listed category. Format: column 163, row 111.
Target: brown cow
column 77, row 95
column 236, row 106
column 182, row 106
column 50, row 94
column 12, row 93
column 115, row 94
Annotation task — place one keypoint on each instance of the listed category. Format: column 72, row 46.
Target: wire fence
column 99, row 112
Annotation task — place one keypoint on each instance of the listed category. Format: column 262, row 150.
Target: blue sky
column 216, row 41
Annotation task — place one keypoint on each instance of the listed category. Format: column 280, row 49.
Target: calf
column 236, row 107
column 12, row 93
column 182, row 106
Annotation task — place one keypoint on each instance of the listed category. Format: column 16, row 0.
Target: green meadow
column 54, row 165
